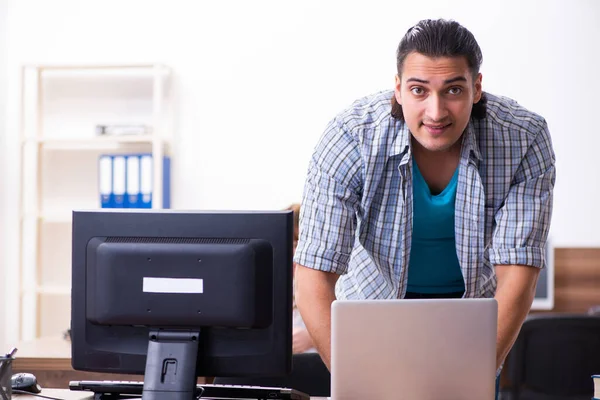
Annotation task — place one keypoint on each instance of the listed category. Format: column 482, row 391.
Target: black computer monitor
column 175, row 295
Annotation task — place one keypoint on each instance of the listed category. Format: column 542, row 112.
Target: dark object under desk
column 554, row 357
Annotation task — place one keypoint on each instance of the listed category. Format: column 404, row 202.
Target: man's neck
column 437, row 167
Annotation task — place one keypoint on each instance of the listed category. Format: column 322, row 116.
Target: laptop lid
column 425, row 349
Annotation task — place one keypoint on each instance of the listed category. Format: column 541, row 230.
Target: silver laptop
column 426, row 349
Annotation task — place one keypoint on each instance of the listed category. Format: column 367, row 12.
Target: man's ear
column 478, row 89
column 397, row 87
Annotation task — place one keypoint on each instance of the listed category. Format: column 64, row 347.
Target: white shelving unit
column 61, row 106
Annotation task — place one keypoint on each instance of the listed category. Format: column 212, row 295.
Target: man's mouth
column 436, row 129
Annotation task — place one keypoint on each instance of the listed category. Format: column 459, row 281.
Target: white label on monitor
column 173, row 285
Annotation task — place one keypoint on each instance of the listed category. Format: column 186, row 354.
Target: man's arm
column 519, row 239
column 315, row 291
column 514, row 294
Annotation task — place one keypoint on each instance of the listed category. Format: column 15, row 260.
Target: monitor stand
column 171, row 365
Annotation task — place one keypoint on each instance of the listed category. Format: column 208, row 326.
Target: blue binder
column 132, row 182
column 105, row 181
column 147, row 180
column 166, row 182
column 119, row 179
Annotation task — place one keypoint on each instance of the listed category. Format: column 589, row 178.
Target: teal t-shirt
column 433, row 266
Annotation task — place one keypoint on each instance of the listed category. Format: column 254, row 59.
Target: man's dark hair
column 441, row 38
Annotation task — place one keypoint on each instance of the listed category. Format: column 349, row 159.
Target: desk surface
column 57, row 393
column 66, row 394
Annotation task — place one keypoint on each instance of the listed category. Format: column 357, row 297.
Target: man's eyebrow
column 457, row 79
column 416, row 80
column 446, row 82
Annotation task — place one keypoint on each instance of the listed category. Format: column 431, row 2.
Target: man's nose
column 436, row 109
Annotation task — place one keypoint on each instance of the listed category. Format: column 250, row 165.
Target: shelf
column 99, row 67
column 61, row 290
column 51, row 218
column 58, row 218
column 141, row 70
column 67, row 217
column 95, row 142
column 61, row 108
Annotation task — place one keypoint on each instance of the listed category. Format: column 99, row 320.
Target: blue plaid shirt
column 356, row 216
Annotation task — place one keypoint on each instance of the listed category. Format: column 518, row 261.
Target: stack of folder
column 125, row 181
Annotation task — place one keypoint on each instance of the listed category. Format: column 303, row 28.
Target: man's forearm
column 515, row 292
column 315, row 291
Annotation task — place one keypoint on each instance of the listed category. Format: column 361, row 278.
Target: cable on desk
column 34, row 394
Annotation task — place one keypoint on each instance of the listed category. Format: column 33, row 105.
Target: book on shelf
column 596, row 379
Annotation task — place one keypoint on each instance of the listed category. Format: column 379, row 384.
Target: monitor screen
column 161, row 292
column 544, row 291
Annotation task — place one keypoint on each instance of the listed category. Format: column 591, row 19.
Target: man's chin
column 438, row 144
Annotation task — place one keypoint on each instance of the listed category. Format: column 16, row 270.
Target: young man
column 436, row 189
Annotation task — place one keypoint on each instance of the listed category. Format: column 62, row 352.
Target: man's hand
column 514, row 293
column 315, row 291
column 301, row 341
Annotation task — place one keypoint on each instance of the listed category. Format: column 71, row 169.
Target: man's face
column 437, row 95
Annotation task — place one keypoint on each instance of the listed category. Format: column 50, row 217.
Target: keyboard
column 134, row 388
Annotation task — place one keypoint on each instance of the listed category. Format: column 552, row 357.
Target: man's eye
column 455, row 90
column 417, row 91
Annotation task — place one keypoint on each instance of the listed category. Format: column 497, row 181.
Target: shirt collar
column 401, row 143
column 470, row 145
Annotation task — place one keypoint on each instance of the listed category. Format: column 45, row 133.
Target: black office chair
column 309, row 375
column 554, row 357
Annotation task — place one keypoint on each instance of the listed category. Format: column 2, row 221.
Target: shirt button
column 475, row 218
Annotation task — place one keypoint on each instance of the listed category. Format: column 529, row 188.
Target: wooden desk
column 52, row 353
column 69, row 395
column 49, row 359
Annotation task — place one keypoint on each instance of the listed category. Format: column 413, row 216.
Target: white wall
column 3, row 230
column 256, row 82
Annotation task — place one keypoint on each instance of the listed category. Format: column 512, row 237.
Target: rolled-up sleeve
column 523, row 221
column 330, row 202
